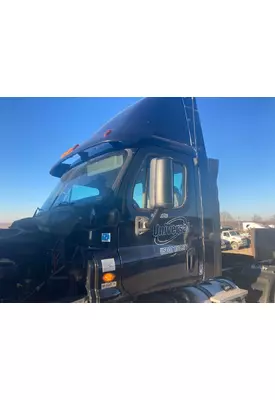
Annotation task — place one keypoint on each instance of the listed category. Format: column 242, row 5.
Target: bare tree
column 257, row 218
column 272, row 218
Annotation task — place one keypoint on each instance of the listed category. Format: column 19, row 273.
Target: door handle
column 141, row 225
column 190, row 259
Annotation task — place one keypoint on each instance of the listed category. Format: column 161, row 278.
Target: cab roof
column 172, row 120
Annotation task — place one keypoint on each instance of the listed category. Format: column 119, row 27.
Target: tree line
column 227, row 217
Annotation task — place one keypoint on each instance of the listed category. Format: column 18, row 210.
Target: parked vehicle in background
column 245, row 234
column 227, row 228
column 252, row 225
column 234, row 238
column 225, row 245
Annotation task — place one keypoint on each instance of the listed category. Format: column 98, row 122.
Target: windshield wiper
column 38, row 209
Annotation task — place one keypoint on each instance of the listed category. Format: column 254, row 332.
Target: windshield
column 91, row 181
column 234, row 233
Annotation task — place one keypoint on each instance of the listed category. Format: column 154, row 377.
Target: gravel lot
column 240, row 257
column 246, row 251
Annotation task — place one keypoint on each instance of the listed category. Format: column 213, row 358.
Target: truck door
column 225, row 236
column 169, row 254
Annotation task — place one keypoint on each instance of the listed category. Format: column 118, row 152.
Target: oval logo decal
column 170, row 230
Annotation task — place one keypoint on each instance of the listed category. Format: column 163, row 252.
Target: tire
column 234, row 246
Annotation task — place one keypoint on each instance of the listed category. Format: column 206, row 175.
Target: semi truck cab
column 138, row 203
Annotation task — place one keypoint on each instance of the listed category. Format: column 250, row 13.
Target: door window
column 141, row 187
column 179, row 184
column 141, row 190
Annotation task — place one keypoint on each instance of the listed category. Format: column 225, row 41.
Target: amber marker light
column 69, row 151
column 108, row 132
column 108, row 277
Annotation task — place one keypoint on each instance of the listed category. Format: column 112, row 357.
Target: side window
column 179, row 185
column 140, row 193
column 141, row 187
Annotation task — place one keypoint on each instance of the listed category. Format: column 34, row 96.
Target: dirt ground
column 246, row 251
column 240, row 257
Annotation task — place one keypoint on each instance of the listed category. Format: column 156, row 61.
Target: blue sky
column 34, row 133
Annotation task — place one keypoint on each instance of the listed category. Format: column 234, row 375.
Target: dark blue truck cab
column 134, row 217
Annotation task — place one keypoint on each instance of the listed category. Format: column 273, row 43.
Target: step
column 227, row 296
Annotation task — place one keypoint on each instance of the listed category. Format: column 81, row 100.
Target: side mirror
column 161, row 183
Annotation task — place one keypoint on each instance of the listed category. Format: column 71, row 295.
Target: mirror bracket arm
column 155, row 217
column 144, row 224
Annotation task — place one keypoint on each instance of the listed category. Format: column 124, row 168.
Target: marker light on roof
column 108, row 132
column 69, row 151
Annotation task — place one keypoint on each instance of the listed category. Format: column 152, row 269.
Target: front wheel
column 234, row 246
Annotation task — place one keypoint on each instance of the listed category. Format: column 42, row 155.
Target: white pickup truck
column 235, row 239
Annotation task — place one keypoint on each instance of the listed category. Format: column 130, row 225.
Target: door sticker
column 105, row 237
column 173, row 249
column 165, row 233
column 108, row 285
column 164, row 215
column 108, row 265
column 170, row 230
